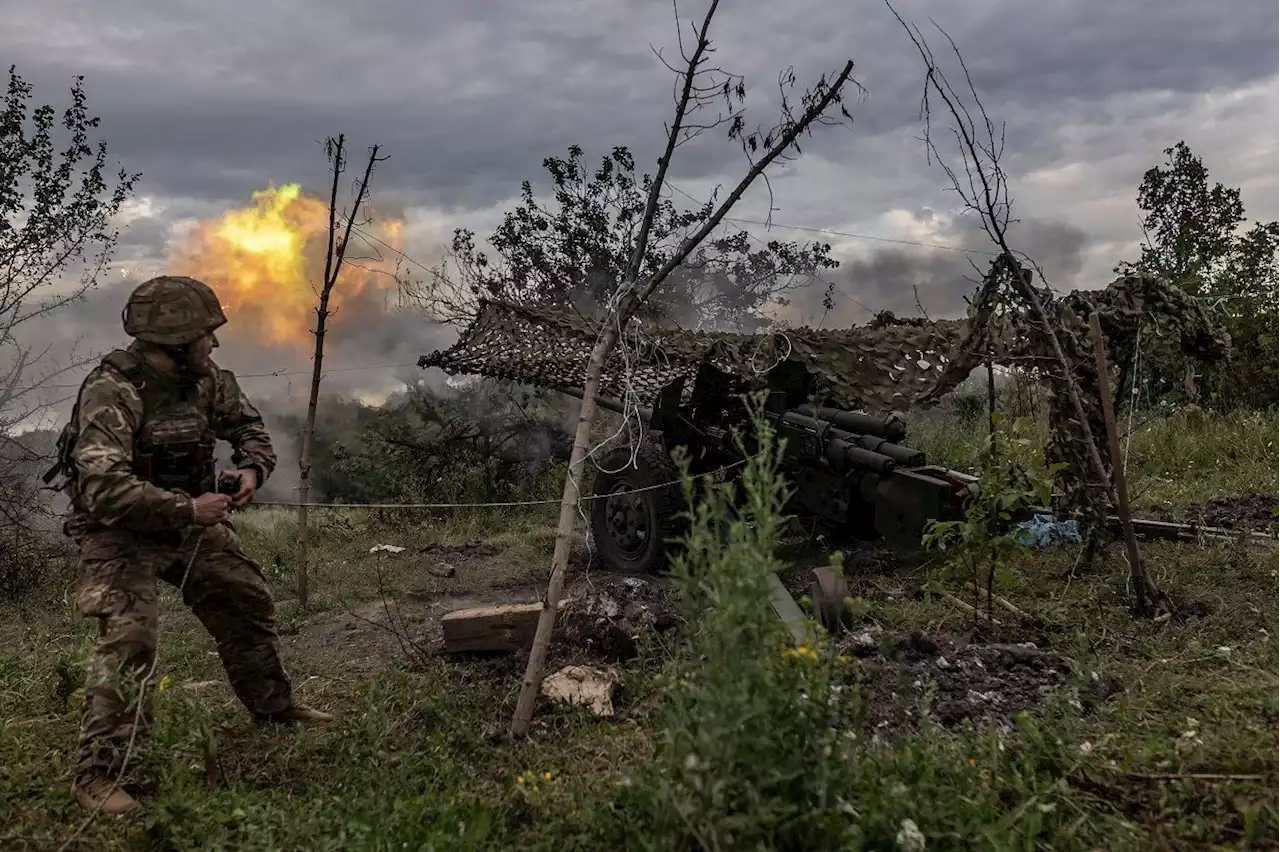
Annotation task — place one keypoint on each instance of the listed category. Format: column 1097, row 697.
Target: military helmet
column 172, row 310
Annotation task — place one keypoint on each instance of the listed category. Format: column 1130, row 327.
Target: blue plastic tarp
column 1044, row 530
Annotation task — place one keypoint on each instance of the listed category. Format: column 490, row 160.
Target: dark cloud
column 213, row 100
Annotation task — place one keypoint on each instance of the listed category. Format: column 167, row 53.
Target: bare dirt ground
column 950, row 676
column 606, row 613
column 953, row 678
column 981, row 674
column 1254, row 512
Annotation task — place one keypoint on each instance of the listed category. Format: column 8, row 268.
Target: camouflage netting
column 886, row 365
column 890, row 364
column 1172, row 321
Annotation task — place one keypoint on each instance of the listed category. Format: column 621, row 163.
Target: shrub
column 747, row 749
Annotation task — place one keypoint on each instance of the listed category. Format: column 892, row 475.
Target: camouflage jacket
column 106, row 488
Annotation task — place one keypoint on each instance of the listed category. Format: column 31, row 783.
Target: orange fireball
column 266, row 262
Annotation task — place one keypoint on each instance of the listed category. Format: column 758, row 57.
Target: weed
column 748, row 752
column 1010, row 479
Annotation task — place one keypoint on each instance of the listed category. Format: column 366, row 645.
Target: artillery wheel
column 828, row 592
column 635, row 508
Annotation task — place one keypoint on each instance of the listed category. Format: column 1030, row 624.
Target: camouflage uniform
column 139, row 449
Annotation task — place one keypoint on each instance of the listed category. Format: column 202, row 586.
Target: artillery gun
column 849, row 473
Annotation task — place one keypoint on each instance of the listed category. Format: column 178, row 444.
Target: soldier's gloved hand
column 248, row 485
column 211, row 509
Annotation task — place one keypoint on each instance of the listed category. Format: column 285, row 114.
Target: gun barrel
column 889, row 428
column 841, row 449
column 905, row 456
column 843, row 454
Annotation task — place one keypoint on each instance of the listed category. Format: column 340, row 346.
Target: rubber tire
column 662, row 506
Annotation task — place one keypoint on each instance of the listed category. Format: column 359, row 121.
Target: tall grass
column 1176, row 457
column 1192, row 455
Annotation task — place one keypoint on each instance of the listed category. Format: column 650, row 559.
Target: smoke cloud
column 909, row 279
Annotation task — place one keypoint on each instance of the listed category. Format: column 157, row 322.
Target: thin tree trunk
column 991, row 396
column 332, row 267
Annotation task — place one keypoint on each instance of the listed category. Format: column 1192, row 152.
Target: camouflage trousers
column 223, row 587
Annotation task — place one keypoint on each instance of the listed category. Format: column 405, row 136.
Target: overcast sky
column 211, row 101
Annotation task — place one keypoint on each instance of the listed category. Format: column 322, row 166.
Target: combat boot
column 298, row 714
column 94, row 791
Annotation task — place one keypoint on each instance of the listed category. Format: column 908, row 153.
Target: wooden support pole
column 1143, row 590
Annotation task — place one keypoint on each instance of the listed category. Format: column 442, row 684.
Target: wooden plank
column 787, row 609
column 504, row 627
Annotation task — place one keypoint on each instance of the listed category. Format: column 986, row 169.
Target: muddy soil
column 952, row 679
column 1254, row 512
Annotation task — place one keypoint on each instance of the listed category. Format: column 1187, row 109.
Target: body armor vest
column 174, row 444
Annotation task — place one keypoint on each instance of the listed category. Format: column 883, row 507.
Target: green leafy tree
column 1247, row 288
column 575, row 250
column 1190, row 226
column 57, row 205
column 1193, row 238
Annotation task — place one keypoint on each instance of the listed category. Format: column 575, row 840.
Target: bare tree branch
column 629, row 297
column 985, row 191
column 335, row 254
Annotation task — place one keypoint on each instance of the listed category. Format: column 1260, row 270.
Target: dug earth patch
column 603, row 616
column 608, row 614
column 1256, row 512
column 951, row 679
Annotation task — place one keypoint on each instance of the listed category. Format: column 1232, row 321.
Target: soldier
column 138, row 455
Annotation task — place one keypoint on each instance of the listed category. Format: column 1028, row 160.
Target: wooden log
column 969, row 608
column 998, row 601
column 504, row 627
